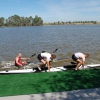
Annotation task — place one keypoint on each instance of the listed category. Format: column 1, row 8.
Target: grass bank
column 20, row 84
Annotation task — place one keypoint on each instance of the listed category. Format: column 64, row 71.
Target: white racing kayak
column 90, row 66
column 31, row 70
column 17, row 71
column 55, row 69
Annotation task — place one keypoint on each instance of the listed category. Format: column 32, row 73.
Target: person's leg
column 75, row 59
column 24, row 63
column 39, row 58
column 43, row 63
column 79, row 63
column 18, row 66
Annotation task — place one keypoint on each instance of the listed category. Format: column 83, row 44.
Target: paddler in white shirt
column 80, row 59
column 45, row 58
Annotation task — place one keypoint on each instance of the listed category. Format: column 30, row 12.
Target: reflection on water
column 68, row 39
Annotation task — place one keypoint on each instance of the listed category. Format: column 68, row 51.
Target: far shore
column 71, row 23
column 56, row 23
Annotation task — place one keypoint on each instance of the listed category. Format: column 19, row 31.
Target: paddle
column 55, row 50
column 31, row 57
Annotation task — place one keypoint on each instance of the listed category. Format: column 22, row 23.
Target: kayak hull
column 63, row 68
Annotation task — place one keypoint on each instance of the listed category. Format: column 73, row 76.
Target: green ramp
column 34, row 83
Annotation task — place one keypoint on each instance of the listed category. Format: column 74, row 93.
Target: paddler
column 19, row 61
column 45, row 58
column 80, row 59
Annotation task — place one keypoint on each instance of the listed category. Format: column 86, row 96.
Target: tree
column 30, row 20
column 21, row 21
column 38, row 21
column 58, row 22
column 2, row 21
column 62, row 22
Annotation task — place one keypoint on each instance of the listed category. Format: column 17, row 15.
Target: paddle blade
column 33, row 55
column 55, row 50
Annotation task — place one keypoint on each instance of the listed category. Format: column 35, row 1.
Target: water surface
column 68, row 39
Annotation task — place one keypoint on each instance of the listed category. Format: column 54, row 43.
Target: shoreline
column 49, row 24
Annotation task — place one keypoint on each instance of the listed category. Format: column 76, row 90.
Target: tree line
column 69, row 22
column 16, row 20
column 21, row 21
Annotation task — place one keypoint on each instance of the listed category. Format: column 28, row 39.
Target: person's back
column 18, row 60
column 80, row 55
column 46, row 55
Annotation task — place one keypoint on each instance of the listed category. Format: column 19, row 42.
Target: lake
column 68, row 39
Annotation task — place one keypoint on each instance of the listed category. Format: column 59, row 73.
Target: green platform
column 34, row 83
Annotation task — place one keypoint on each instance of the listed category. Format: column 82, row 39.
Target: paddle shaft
column 30, row 58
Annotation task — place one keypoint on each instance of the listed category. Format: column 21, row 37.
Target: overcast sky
column 52, row 10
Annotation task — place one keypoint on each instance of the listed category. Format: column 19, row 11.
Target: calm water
column 30, row 40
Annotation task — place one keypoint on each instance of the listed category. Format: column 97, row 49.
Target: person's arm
column 25, row 58
column 48, row 64
column 83, row 63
